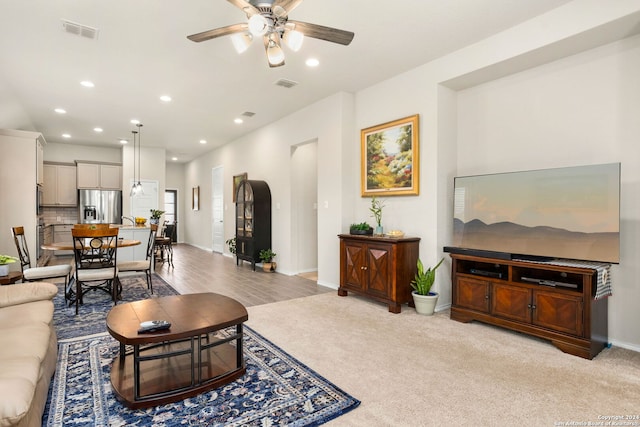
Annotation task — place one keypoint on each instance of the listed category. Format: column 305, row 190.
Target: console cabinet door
column 355, row 264
column 473, row 294
column 378, row 270
column 559, row 312
column 511, row 302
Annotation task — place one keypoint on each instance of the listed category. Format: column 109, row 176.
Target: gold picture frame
column 390, row 158
column 237, row 179
column 195, row 198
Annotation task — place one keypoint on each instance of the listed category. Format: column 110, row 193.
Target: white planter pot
column 425, row 304
column 4, row 269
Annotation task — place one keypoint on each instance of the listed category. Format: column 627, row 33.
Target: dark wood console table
column 553, row 302
column 381, row 268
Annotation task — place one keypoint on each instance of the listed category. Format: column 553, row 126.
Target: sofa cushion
column 26, row 292
column 25, row 341
column 24, row 314
column 18, row 379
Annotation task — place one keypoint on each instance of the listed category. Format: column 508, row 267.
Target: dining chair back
column 146, row 264
column 36, row 274
column 95, row 253
column 164, row 243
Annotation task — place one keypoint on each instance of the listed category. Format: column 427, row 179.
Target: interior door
column 217, row 217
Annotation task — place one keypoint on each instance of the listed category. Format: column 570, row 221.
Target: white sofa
column 28, row 351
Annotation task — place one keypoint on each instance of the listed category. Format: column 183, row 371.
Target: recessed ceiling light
column 165, row 98
column 238, row 121
column 123, row 141
column 66, row 135
column 135, row 121
column 97, row 130
column 60, row 111
column 174, row 158
column 312, row 62
column 87, row 83
column 203, row 141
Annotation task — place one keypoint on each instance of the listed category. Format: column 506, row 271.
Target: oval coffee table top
column 190, row 315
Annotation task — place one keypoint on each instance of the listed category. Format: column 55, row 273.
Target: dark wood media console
column 547, row 301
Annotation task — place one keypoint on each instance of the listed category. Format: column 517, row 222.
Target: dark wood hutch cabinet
column 253, row 220
column 378, row 267
column 511, row 294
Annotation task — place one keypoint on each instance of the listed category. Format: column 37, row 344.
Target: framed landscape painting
column 389, row 160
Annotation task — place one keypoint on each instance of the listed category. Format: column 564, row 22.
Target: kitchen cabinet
column 104, row 176
column 548, row 301
column 378, row 267
column 19, row 167
column 253, row 220
column 134, row 253
column 62, row 233
column 59, row 187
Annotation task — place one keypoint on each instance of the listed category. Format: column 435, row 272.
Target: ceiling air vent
column 286, row 83
column 79, row 30
column 248, row 114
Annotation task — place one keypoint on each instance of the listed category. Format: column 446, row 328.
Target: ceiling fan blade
column 245, row 6
column 218, row 32
column 323, row 33
column 287, row 5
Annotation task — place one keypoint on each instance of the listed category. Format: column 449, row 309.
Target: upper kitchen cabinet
column 59, row 187
column 104, row 176
column 20, row 165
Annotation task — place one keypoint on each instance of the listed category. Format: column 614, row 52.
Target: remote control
column 153, row 326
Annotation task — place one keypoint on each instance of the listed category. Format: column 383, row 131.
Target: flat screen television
column 570, row 213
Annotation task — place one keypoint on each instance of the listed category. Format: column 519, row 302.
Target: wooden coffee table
column 180, row 362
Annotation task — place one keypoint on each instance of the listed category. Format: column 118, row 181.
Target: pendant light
column 139, row 189
column 133, row 191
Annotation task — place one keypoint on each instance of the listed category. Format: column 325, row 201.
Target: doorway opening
column 171, row 209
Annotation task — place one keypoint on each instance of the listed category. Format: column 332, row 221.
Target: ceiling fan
column 270, row 19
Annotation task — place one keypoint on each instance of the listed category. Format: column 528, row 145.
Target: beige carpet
column 412, row 370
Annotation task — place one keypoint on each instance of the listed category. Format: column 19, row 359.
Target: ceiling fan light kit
column 270, row 20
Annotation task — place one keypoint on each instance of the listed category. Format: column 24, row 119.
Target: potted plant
column 362, row 228
column 231, row 244
column 155, row 216
column 267, row 256
column 376, row 212
column 5, row 260
column 423, row 299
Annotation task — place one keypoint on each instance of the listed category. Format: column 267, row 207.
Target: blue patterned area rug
column 276, row 389
column 91, row 318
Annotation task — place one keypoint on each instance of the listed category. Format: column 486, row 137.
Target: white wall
column 431, row 91
column 266, row 155
column 68, row 153
column 580, row 110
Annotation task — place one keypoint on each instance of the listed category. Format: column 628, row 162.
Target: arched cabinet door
column 253, row 220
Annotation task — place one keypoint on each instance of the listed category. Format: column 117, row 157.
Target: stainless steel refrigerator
column 100, row 206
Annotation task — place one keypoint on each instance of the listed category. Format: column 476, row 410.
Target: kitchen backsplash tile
column 52, row 215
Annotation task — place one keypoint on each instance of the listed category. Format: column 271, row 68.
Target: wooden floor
column 196, row 270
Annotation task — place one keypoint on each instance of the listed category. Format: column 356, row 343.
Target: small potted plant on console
column 363, row 228
column 267, row 256
column 424, row 300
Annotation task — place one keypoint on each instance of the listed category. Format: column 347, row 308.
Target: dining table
column 68, row 246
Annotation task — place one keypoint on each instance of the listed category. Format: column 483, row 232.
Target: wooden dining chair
column 143, row 265
column 37, row 274
column 164, row 243
column 95, row 253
